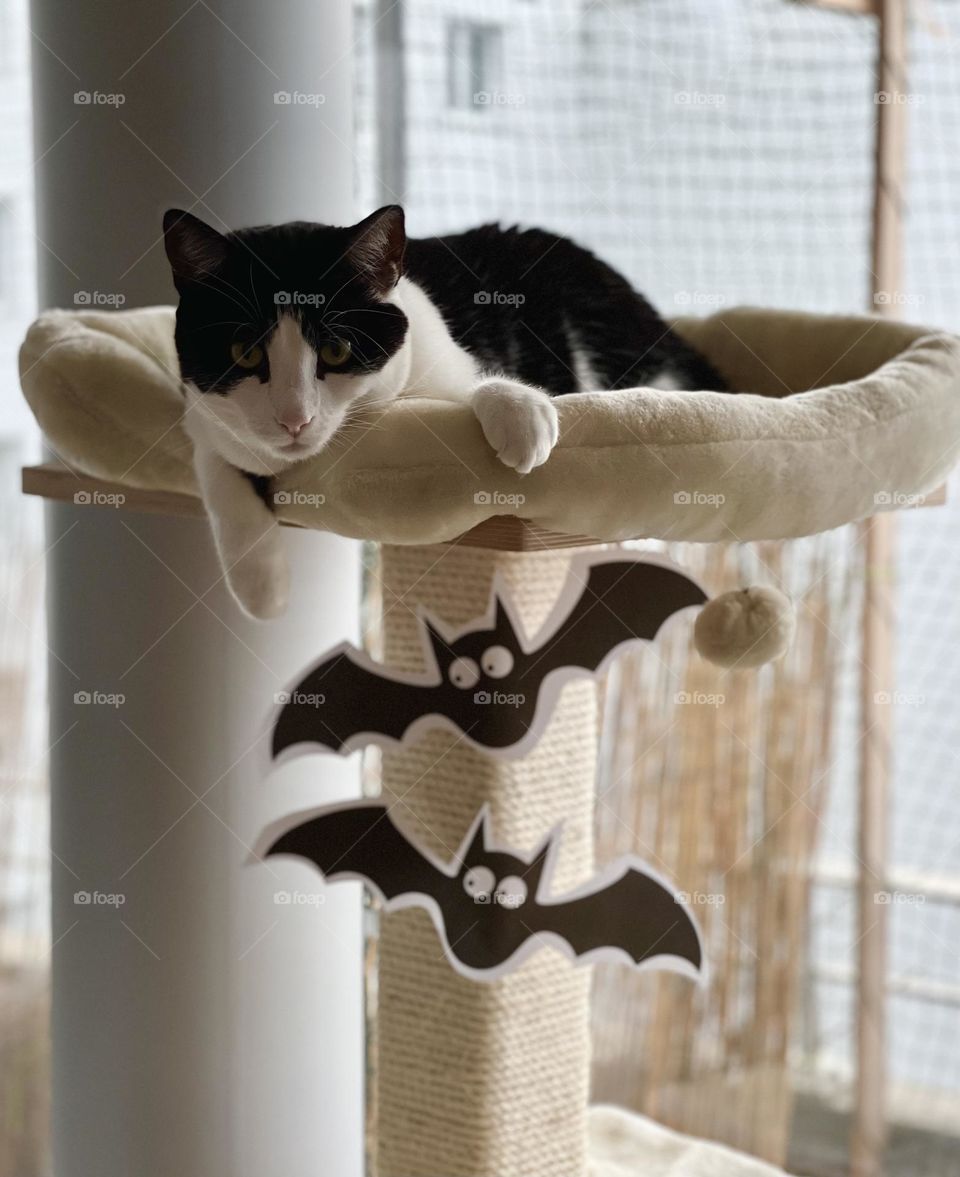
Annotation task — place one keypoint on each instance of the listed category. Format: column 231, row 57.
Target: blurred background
column 718, row 153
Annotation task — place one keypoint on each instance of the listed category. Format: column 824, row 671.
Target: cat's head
column 285, row 329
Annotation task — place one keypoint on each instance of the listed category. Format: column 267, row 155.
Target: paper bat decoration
column 493, row 908
column 487, row 682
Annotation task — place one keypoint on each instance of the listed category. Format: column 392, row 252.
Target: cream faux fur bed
column 880, row 426
column 622, row 1144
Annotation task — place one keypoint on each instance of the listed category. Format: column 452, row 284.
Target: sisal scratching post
column 483, row 1080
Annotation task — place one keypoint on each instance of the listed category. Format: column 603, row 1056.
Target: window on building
column 474, row 59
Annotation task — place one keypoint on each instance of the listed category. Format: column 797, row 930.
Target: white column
column 199, row 1027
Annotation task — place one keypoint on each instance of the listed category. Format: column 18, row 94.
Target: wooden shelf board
column 504, row 533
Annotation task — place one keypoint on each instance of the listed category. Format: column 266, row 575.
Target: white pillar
column 200, row 1027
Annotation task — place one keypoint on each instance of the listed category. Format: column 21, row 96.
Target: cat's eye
column 478, row 883
column 336, row 354
column 247, row 355
column 464, row 673
column 497, row 661
column 511, row 891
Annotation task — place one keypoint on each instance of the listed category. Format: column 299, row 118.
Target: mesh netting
column 722, row 154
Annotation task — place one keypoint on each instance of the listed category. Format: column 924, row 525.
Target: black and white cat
column 287, row 335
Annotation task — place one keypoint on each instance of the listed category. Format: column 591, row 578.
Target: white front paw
column 518, row 421
column 259, row 576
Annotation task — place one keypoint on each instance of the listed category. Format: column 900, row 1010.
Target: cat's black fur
column 517, row 299
column 245, row 273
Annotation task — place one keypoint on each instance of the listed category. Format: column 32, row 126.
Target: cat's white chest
column 438, row 366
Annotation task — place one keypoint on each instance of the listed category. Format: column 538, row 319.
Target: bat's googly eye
column 497, row 662
column 511, row 891
column 478, row 883
column 464, row 673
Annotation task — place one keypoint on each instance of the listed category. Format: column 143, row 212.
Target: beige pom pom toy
column 746, row 627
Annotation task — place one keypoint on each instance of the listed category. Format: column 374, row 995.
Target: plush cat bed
column 875, row 422
column 626, row 1145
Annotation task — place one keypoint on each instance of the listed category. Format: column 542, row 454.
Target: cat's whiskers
column 342, row 286
column 362, row 311
column 256, row 292
column 242, row 300
column 357, row 331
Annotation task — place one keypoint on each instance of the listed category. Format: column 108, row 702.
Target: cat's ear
column 194, row 249
column 376, row 247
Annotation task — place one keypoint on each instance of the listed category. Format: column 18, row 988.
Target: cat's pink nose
column 294, row 425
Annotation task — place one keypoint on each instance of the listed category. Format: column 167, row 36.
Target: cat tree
column 465, row 1085
column 492, row 1078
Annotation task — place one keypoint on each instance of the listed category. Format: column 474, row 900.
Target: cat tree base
column 476, row 1079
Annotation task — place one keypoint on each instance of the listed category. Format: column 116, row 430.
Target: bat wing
column 622, row 601
column 346, row 697
column 635, row 914
column 360, row 841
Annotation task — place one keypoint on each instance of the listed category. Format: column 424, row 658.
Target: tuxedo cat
column 288, row 335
